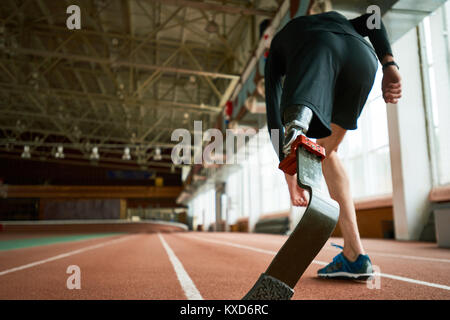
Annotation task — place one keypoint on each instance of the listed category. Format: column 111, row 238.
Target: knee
column 332, row 142
column 330, row 148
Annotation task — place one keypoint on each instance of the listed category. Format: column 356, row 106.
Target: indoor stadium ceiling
column 112, row 92
column 134, row 72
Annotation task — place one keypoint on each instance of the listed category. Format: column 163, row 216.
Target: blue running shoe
column 342, row 268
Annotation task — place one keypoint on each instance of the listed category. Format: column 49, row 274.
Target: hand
column 391, row 85
column 299, row 196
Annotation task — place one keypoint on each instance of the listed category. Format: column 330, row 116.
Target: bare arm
column 378, row 37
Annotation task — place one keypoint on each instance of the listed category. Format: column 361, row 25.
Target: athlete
column 328, row 70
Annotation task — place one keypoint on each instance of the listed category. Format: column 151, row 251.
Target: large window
column 365, row 151
column 203, row 207
column 257, row 187
column 435, row 53
column 274, row 190
column 253, row 187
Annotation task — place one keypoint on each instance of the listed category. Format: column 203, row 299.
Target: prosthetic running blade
column 310, row 234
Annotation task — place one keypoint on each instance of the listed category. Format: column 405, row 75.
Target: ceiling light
column 60, row 153
column 157, row 155
column 212, row 27
column 77, row 132
column 26, row 152
column 20, row 126
column 126, row 154
column 94, row 155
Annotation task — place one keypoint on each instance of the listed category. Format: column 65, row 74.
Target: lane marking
column 392, row 255
column 189, row 288
column 232, row 244
column 386, row 275
column 424, row 283
column 402, row 256
column 65, row 255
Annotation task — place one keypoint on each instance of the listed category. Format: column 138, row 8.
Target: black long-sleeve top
column 378, row 37
column 285, row 42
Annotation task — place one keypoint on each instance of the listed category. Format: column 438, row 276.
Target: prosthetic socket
column 296, row 120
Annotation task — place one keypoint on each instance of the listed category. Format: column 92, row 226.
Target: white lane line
column 423, row 283
column 401, row 256
column 64, row 255
column 386, row 275
column 370, row 253
column 189, row 288
column 232, row 244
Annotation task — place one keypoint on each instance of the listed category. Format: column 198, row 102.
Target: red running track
column 176, row 266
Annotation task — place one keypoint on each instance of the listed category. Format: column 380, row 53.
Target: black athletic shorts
column 332, row 74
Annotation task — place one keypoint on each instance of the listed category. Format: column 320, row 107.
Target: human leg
column 352, row 262
column 339, row 189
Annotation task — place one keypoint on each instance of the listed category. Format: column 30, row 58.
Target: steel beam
column 122, row 63
column 70, row 94
column 234, row 10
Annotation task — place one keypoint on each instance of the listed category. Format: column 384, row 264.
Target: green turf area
column 34, row 242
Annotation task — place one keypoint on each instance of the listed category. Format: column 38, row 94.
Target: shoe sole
column 347, row 276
